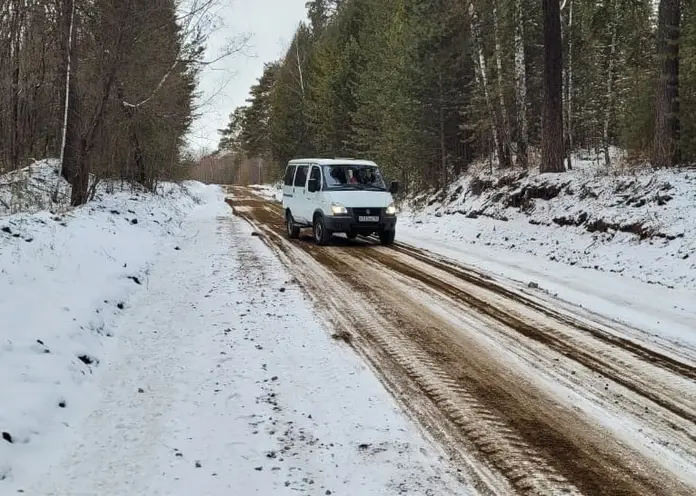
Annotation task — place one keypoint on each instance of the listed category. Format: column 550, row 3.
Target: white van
column 338, row 196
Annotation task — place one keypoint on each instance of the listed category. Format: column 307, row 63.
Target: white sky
column 271, row 25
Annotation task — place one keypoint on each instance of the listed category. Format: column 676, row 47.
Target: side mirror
column 394, row 188
column 313, row 185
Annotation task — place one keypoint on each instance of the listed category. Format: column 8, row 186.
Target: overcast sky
column 271, row 25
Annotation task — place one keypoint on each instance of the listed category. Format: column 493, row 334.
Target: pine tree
column 666, row 149
column 552, row 140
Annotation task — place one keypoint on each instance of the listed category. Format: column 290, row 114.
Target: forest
column 106, row 85
column 428, row 87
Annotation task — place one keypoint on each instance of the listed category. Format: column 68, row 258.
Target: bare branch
column 154, row 91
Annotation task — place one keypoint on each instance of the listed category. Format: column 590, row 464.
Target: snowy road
column 224, row 382
column 527, row 395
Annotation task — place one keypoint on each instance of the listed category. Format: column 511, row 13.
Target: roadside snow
column 622, row 245
column 223, row 382
column 64, row 280
column 661, row 312
column 31, row 189
column 641, row 225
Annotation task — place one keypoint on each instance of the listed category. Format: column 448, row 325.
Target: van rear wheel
column 293, row 229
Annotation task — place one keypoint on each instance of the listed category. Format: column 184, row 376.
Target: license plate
column 368, row 218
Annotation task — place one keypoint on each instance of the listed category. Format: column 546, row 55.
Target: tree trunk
column 73, row 165
column 71, row 124
column 552, row 132
column 506, row 159
column 569, row 91
column 666, row 151
column 15, row 45
column 609, row 104
column 521, row 88
column 299, row 67
column 137, row 171
column 483, row 74
column 443, row 148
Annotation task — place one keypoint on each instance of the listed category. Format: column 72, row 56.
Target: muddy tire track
column 479, row 429
column 602, row 360
column 501, row 428
column 484, row 281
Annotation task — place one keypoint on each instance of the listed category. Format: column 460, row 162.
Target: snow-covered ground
column 640, row 224
column 66, row 278
column 622, row 245
column 34, row 188
column 153, row 345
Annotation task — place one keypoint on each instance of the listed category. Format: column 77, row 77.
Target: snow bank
column 64, row 278
column 640, row 224
column 31, row 189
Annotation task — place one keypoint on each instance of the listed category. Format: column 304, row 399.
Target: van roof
column 331, row 161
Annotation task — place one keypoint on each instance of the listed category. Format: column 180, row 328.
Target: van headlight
column 391, row 209
column 338, row 209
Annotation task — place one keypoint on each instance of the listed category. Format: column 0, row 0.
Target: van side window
column 316, row 174
column 301, row 176
column 289, row 175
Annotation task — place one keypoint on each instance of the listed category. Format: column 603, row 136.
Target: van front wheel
column 387, row 237
column 321, row 235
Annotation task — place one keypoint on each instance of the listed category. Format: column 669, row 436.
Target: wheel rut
column 601, row 359
column 506, row 433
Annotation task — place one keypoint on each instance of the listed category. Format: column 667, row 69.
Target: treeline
column 228, row 168
column 427, row 87
column 108, row 85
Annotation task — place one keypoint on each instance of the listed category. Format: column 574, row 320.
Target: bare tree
column 67, row 170
column 72, row 164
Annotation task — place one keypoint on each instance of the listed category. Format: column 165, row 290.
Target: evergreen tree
column 666, row 146
column 426, row 88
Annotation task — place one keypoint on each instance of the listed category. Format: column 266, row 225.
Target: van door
column 299, row 209
column 313, row 199
column 288, row 199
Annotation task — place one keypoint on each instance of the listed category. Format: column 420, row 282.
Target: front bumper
column 349, row 224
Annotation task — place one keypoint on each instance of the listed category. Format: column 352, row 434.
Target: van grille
column 371, row 211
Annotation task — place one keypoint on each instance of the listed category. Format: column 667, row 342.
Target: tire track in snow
column 484, row 431
column 649, row 355
column 425, row 361
column 640, row 377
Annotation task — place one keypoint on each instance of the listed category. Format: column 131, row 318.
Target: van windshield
column 351, row 176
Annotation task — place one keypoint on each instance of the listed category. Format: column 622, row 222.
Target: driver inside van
column 338, row 175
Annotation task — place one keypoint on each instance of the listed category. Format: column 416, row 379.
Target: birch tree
column 505, row 135
column 610, row 76
column 71, row 159
column 482, row 77
column 521, row 88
